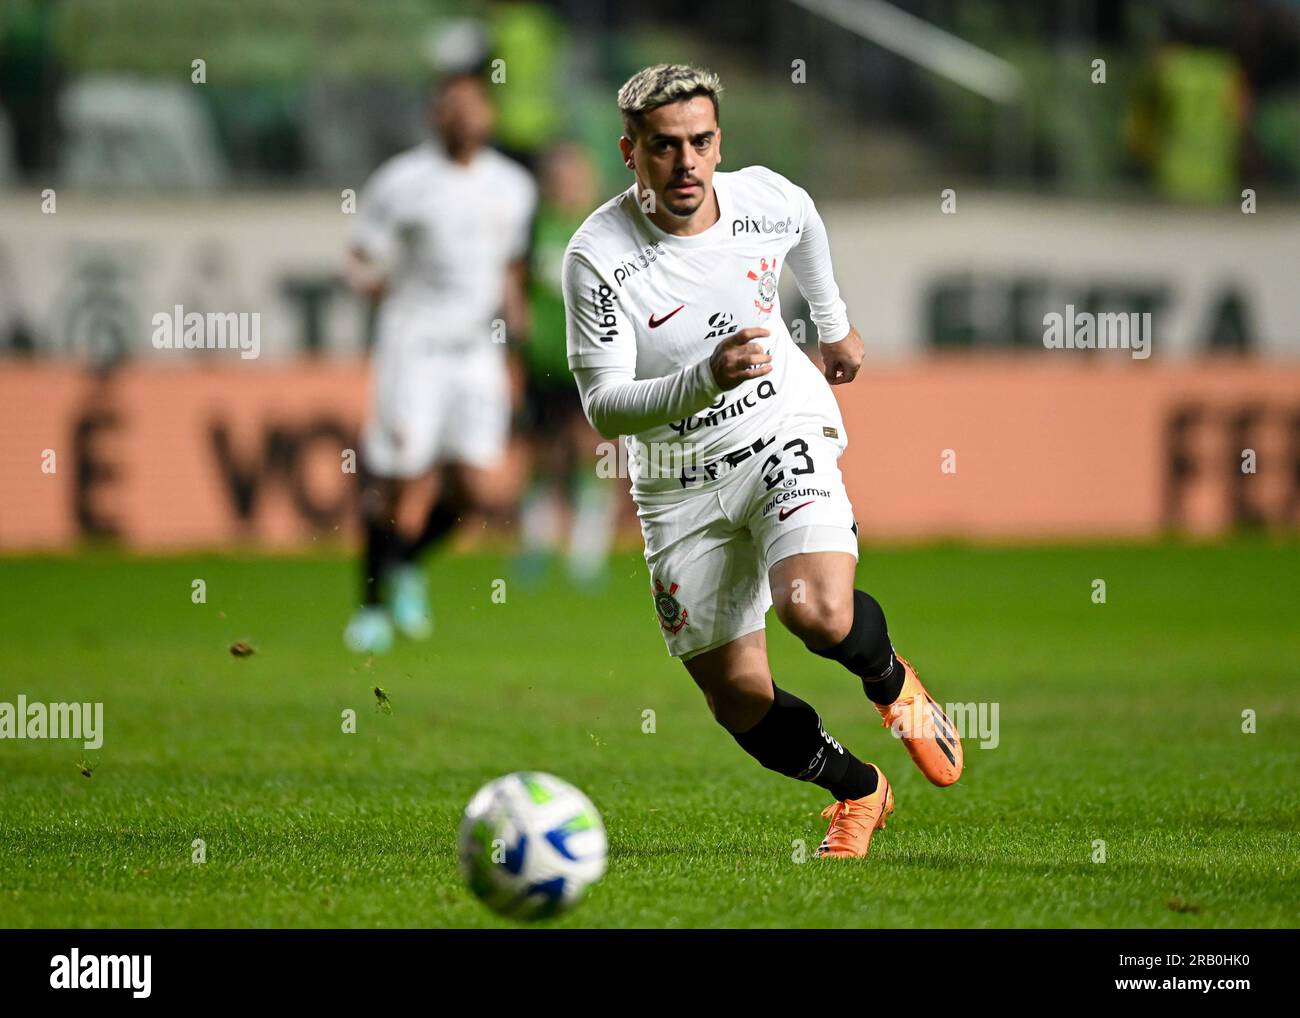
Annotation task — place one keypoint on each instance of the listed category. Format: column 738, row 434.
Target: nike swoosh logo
column 656, row 322
column 786, row 513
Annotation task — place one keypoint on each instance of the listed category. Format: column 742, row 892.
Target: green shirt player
column 562, row 444
column 545, row 358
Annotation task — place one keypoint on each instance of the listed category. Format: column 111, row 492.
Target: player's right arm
column 374, row 237
column 602, row 356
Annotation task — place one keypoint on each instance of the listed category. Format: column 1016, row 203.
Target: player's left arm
column 810, row 261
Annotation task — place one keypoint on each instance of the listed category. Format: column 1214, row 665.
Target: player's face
column 675, row 153
column 463, row 115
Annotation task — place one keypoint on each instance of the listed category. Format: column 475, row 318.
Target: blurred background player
column 440, row 241
column 561, row 442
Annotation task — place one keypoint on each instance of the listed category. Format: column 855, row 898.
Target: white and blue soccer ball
column 530, row 845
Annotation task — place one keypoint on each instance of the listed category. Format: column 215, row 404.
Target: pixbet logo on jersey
column 748, row 224
column 602, row 306
column 639, row 260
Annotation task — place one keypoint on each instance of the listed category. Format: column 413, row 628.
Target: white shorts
column 439, row 407
column 709, row 553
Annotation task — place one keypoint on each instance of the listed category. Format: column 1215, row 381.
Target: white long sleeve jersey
column 645, row 310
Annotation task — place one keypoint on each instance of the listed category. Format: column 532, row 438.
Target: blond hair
column 661, row 85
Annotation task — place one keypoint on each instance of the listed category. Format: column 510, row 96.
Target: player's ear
column 625, row 147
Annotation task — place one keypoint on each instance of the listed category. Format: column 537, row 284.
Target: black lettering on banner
column 1181, row 463
column 1241, row 426
column 1203, row 448
column 93, row 471
column 322, row 514
column 244, row 481
column 312, row 296
column 285, row 458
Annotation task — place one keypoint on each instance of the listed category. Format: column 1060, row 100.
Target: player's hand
column 841, row 361
column 366, row 278
column 738, row 358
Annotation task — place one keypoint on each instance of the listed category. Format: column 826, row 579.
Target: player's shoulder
column 416, row 159
column 609, row 230
column 761, row 182
column 508, row 172
column 411, row 164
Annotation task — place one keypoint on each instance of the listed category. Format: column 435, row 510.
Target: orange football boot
column 853, row 821
column 931, row 739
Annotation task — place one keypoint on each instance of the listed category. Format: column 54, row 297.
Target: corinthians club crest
column 766, row 277
column 672, row 616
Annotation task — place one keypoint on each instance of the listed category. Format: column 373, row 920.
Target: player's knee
column 377, row 500
column 819, row 620
column 470, row 487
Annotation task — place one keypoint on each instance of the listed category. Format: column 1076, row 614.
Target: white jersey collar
column 438, row 152
column 720, row 188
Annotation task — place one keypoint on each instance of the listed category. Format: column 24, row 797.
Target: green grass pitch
column 1119, row 721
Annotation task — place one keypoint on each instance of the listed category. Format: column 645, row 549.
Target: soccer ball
column 530, row 845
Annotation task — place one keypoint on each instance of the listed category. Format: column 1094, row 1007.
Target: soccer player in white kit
column 676, row 340
column 441, row 236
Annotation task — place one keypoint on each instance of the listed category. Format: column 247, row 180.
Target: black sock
column 867, row 652
column 443, row 516
column 791, row 741
column 381, row 548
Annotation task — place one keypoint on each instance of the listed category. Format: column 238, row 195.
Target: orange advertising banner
column 162, row 457
column 1035, row 448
